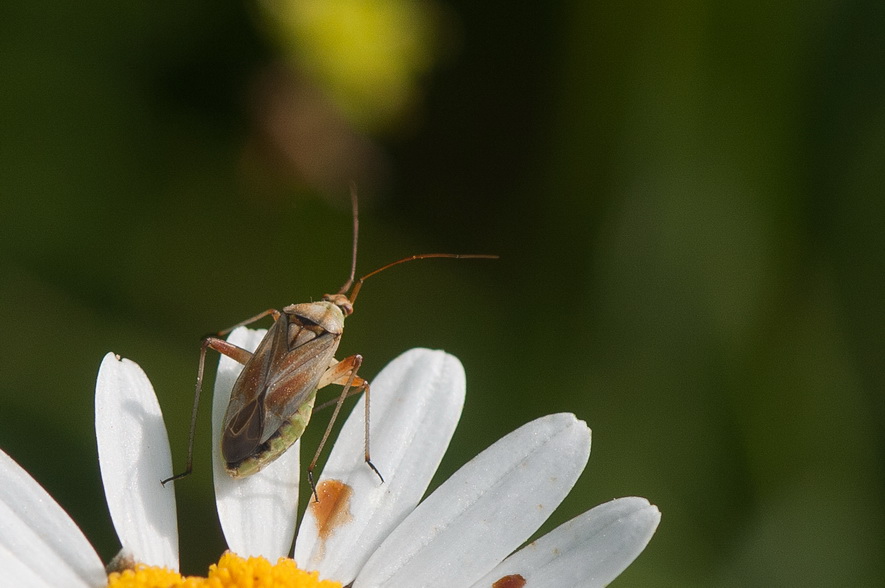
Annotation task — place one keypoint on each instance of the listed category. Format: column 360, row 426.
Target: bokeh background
column 687, row 199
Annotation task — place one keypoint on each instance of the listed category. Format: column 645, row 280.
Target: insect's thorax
column 314, row 317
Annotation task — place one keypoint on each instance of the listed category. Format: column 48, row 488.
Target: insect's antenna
column 356, row 233
column 359, row 283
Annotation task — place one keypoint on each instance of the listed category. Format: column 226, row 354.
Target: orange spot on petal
column 511, row 581
column 333, row 509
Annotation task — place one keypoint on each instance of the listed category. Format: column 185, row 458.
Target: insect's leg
column 250, row 320
column 239, row 355
column 343, row 373
column 355, row 389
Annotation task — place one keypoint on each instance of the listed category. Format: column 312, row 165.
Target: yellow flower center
column 230, row 571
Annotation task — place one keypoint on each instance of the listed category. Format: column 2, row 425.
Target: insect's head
column 341, row 301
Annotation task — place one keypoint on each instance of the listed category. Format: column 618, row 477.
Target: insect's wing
column 244, row 421
column 295, row 382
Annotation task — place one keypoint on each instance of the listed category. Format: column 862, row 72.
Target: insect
column 273, row 398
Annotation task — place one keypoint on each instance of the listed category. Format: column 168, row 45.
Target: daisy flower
column 370, row 533
column 362, row 532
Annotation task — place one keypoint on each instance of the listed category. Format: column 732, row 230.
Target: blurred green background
column 687, row 199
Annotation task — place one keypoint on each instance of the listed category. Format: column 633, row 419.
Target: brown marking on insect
column 333, row 509
column 511, row 581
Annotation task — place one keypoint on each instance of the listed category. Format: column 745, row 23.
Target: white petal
column 416, row 402
column 590, row 550
column 39, row 543
column 133, row 451
column 485, row 510
column 257, row 513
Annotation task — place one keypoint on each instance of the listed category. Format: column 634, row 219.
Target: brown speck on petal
column 511, row 581
column 333, row 509
column 121, row 562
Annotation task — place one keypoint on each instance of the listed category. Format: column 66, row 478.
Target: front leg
column 232, row 351
column 250, row 320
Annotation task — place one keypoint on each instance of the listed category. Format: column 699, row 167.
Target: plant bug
column 273, row 398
